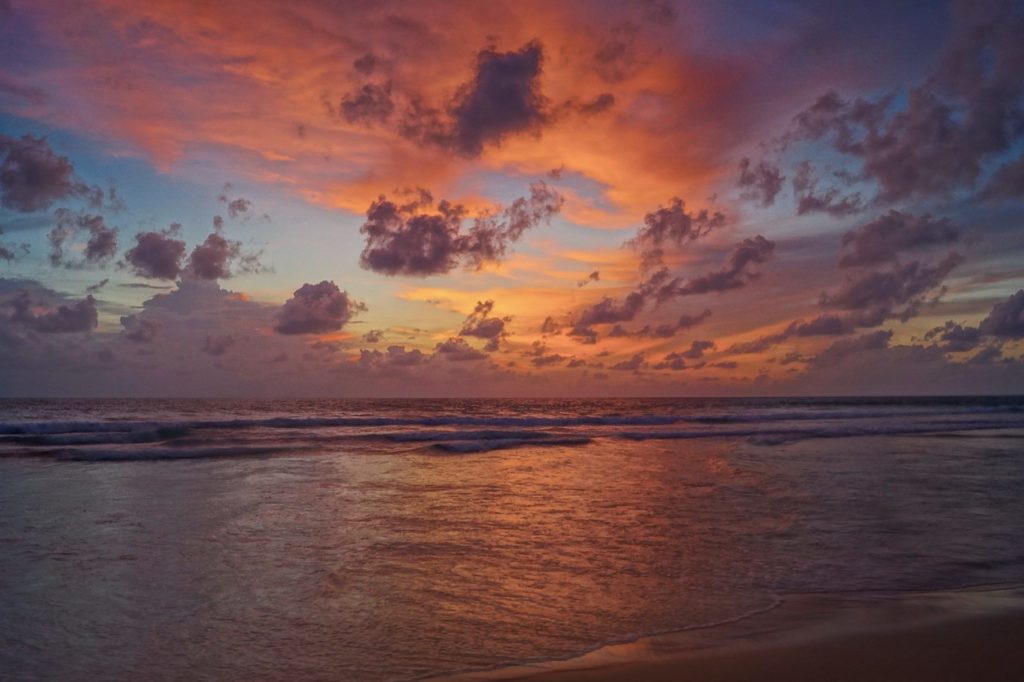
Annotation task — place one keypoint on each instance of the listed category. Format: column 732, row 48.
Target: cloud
column 502, row 99
column 880, row 240
column 963, row 117
column 480, row 324
column 734, row 275
column 957, row 338
column 66, row 319
column 595, row 276
column 1006, row 319
column 157, row 255
column 830, row 201
column 839, row 350
column 396, row 357
column 672, row 225
column 696, row 350
column 672, row 361
column 373, row 336
column 667, row 330
column 883, row 289
column 316, row 309
column 400, row 240
column 94, row 288
column 761, row 182
column 100, row 248
column 370, row 103
column 218, row 345
column 457, row 350
column 33, row 176
column 217, row 256
column 139, row 329
column 634, row 364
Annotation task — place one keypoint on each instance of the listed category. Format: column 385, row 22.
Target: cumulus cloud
column 457, row 350
column 157, row 255
column 882, row 239
column 761, row 182
column 65, row 319
column 218, row 345
column 403, row 240
column 33, row 176
column 139, row 329
column 482, row 325
column 370, row 103
column 964, row 117
column 502, row 99
column 839, row 350
column 830, row 200
column 1006, row 319
column 667, row 330
column 672, row 225
column 882, row 290
column 955, row 338
column 98, row 250
column 373, row 336
column 633, row 364
column 316, row 309
column 218, row 256
column 735, row 274
column 396, row 357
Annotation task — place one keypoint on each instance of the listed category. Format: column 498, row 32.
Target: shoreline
column 974, row 633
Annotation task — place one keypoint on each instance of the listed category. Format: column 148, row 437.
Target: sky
column 560, row 198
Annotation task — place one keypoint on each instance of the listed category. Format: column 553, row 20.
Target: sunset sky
column 343, row 198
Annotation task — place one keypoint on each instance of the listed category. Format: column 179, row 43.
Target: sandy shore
column 970, row 635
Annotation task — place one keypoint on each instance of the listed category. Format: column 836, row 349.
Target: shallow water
column 389, row 540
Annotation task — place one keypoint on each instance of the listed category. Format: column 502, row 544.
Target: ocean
column 396, row 540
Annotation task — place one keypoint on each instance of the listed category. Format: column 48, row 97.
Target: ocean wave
column 159, row 454
column 464, row 447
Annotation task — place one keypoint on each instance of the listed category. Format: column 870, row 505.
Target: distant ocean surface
column 391, row 540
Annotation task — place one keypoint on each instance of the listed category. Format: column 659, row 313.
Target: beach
column 969, row 635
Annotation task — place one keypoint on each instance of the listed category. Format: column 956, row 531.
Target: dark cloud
column 1006, row 183
column 373, row 336
column 735, row 274
column 93, row 288
column 66, row 319
column 540, row 357
column 482, row 325
column 598, row 105
column 880, row 240
column 940, row 138
column 100, row 247
column 157, row 255
column 401, row 240
column 884, row 289
column 549, row 326
column 457, row 350
column 830, row 200
column 365, row 64
column 634, row 364
column 217, row 256
column 396, row 357
column 697, row 349
column 839, row 350
column 139, row 329
column 370, row 103
column 761, row 182
column 237, row 207
column 667, row 330
column 218, row 345
column 1006, row 319
column 955, row 337
column 595, row 276
column 316, row 309
column 672, row 225
column 672, row 361
column 33, row 176
column 503, row 98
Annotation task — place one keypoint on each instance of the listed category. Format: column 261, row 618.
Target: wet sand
column 975, row 635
